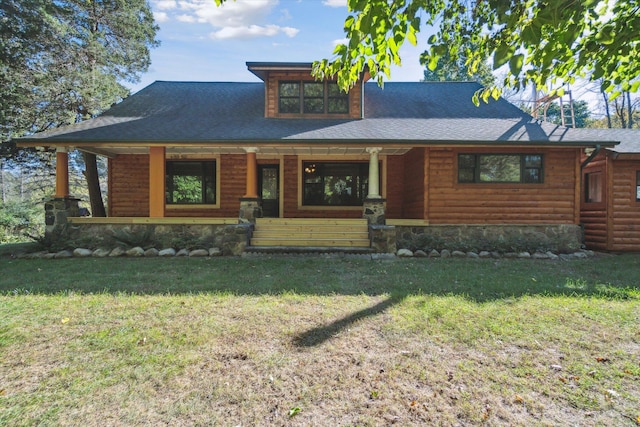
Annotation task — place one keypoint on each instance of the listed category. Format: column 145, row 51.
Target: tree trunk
column 93, row 184
column 606, row 108
column 629, row 110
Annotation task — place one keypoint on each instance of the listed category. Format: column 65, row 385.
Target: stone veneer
column 56, row 212
column 373, row 211
column 383, row 238
column 231, row 239
column 250, row 209
column 561, row 238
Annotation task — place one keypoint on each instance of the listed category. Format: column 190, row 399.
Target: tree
column 457, row 70
column 540, row 41
column 581, row 113
column 62, row 62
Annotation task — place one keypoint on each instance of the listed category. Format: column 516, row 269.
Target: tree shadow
column 316, row 336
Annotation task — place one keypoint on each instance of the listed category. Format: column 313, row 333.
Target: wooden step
column 291, row 241
column 283, row 234
column 311, row 233
column 309, row 221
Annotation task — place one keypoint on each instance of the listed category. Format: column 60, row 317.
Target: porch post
column 250, row 207
column 62, row 173
column 252, row 173
column 374, row 173
column 156, row 181
column 373, row 207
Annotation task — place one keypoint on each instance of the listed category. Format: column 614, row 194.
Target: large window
column 335, row 184
column 191, row 182
column 593, row 188
column 301, row 97
column 500, row 168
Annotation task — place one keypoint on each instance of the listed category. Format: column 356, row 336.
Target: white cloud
column 234, row 19
column 230, row 14
column 252, row 31
column 335, row 3
column 160, row 17
column 186, row 18
column 340, row 41
column 165, row 4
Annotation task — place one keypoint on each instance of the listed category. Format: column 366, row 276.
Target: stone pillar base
column 56, row 212
column 373, row 211
column 250, row 209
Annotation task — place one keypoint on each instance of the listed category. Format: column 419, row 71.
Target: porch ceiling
column 359, row 150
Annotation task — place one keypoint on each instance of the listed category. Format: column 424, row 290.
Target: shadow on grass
column 480, row 281
column 316, row 336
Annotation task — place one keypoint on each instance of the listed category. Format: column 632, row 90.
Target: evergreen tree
column 65, row 61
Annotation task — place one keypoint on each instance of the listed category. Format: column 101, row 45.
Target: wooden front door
column 269, row 186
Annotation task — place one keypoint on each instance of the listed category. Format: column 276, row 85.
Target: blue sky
column 201, row 42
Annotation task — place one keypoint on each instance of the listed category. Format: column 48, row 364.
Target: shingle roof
column 182, row 112
column 629, row 138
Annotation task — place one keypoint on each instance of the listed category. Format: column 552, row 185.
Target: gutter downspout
column 591, row 157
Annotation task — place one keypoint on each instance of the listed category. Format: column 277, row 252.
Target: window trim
column 637, row 192
column 382, row 160
column 587, row 181
column 476, row 169
column 301, row 98
column 195, row 158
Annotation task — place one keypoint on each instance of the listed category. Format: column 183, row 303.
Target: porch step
column 310, row 233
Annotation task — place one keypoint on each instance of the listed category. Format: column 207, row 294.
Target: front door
column 268, row 182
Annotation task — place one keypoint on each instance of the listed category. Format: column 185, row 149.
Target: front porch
column 229, row 237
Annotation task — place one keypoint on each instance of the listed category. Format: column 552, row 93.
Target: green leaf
column 294, row 411
column 502, row 55
column 515, row 64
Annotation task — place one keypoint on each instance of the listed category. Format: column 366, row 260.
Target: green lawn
column 319, row 341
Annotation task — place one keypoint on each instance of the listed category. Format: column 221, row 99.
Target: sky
column 202, row 42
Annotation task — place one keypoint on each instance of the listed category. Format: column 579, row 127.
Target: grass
column 317, row 341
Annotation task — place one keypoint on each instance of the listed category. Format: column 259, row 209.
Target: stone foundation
column 56, row 212
column 250, row 209
column 373, row 211
column 230, row 239
column 564, row 238
column 383, row 238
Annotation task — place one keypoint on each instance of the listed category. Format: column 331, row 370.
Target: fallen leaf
column 602, row 359
column 518, row 399
column 65, row 320
column 294, row 411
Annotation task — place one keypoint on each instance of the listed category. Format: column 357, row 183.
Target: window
column 335, row 184
column 500, row 168
column 593, row 187
column 312, row 98
column 191, row 182
column 637, row 186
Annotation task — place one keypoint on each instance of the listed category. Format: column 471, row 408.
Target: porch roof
column 230, row 116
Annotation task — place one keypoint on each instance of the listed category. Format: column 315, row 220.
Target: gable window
column 335, row 183
column 500, row 168
column 593, row 187
column 191, row 182
column 310, row 97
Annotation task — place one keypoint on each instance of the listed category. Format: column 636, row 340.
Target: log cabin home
column 305, row 164
column 610, row 210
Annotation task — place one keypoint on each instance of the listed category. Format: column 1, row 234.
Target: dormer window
column 311, row 97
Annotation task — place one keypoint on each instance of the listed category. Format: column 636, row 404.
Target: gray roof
column 417, row 113
column 629, row 138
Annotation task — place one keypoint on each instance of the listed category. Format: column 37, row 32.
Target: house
column 610, row 208
column 417, row 162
